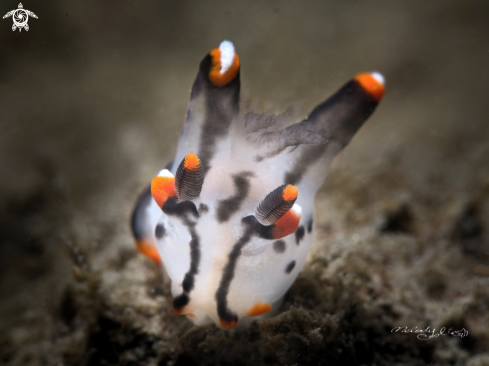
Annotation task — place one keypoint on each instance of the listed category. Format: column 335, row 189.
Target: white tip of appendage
column 378, row 76
column 227, row 55
column 165, row 173
column 297, row 209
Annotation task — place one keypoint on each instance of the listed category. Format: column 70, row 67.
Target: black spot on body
column 159, row 231
column 309, row 226
column 181, row 301
column 226, row 208
column 290, row 267
column 279, row 246
column 299, row 234
column 203, row 208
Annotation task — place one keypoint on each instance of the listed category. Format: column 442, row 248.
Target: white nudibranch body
column 231, row 218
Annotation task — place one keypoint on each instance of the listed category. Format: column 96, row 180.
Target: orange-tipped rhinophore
column 373, row 83
column 225, row 64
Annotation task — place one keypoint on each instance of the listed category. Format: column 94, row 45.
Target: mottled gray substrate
column 377, row 263
column 92, row 103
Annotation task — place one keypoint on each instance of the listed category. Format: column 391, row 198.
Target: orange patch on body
column 178, row 311
column 286, row 225
column 192, row 315
column 371, row 85
column 215, row 75
column 148, row 248
column 228, row 325
column 290, row 193
column 162, row 188
column 259, row 308
column 191, row 162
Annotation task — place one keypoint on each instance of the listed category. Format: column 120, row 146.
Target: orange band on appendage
column 259, row 308
column 286, row 225
column 228, row 325
column 191, row 161
column 148, row 248
column 371, row 85
column 290, row 193
column 215, row 75
column 162, row 188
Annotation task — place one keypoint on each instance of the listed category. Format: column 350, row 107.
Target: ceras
column 231, row 217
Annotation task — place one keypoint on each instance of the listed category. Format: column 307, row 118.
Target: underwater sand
column 92, row 101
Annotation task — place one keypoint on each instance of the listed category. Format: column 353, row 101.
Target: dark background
column 93, row 97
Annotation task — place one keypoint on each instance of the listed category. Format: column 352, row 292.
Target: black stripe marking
column 299, row 234
column 189, row 280
column 290, row 267
column 226, row 208
column 279, row 246
column 223, row 311
column 251, row 228
column 309, row 225
column 183, row 210
column 221, row 105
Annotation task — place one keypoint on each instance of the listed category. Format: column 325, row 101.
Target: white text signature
column 428, row 333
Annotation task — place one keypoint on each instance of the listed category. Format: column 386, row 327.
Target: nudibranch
column 231, row 217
